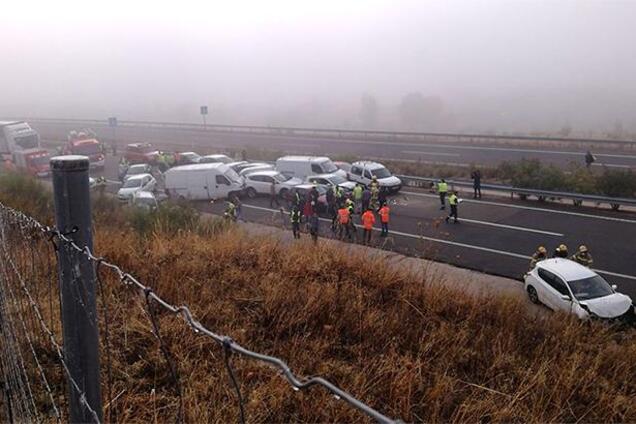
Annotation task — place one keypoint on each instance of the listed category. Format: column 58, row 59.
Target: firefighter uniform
column 583, row 257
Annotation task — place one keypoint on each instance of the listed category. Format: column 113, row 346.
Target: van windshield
column 381, row 172
column 328, row 167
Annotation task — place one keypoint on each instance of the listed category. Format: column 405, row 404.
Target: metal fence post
column 79, row 315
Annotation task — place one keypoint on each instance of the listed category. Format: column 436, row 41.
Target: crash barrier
column 524, row 193
column 50, row 333
column 332, row 133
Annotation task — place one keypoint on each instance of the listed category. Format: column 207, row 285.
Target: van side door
column 356, row 174
column 219, row 187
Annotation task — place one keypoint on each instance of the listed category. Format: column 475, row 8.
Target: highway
column 496, row 235
column 437, row 152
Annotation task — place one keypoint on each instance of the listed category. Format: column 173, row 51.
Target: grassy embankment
column 407, row 346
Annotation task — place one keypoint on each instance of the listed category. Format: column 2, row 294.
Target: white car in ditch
column 564, row 285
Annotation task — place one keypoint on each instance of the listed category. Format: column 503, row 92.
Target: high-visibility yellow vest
column 452, row 200
column 442, row 187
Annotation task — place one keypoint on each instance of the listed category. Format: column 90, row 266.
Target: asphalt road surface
column 496, row 235
column 440, row 152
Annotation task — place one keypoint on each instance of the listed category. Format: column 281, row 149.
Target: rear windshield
column 590, row 288
column 133, row 183
column 87, row 149
column 233, row 176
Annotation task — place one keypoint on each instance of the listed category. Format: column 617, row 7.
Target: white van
column 203, row 182
column 305, row 166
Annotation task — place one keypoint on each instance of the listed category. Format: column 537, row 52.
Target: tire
column 251, row 193
column 532, row 294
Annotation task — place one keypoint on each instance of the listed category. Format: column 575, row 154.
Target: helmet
column 583, row 248
column 542, row 249
column 375, row 177
column 562, row 248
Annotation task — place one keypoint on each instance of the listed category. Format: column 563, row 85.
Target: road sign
column 204, row 110
column 112, row 121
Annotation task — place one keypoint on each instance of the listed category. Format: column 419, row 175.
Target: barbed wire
column 226, row 342
column 34, row 306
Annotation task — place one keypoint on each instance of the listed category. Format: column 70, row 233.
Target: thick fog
column 485, row 65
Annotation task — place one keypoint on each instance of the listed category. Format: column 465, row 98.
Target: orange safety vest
column 384, row 213
column 343, row 214
column 368, row 219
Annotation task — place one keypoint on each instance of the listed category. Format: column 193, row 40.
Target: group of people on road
column 342, row 207
column 581, row 256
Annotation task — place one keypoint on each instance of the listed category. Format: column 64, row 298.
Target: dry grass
column 406, row 345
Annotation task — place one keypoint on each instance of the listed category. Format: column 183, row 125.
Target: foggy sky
column 496, row 64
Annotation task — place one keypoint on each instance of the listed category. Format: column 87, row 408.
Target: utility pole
column 77, row 285
column 112, row 122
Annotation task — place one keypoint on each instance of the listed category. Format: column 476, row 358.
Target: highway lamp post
column 112, row 122
column 204, row 113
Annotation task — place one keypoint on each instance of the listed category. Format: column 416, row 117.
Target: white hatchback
column 134, row 184
column 260, row 182
column 564, row 285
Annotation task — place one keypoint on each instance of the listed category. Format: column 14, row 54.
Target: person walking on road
column 589, row 159
column 366, row 199
column 357, row 197
column 295, row 221
column 476, row 177
column 561, row 251
column 230, row 211
column 538, row 256
column 442, row 189
column 453, row 201
column 314, row 226
column 343, row 219
column 368, row 219
column 273, row 196
column 384, row 219
column 583, row 257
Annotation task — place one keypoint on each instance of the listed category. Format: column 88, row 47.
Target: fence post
column 77, row 294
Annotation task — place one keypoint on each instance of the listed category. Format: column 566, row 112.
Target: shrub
column 617, row 183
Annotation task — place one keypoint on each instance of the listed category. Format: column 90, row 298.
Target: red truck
column 85, row 143
column 32, row 161
column 141, row 153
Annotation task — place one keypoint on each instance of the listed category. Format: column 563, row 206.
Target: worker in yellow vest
column 442, row 189
column 453, row 201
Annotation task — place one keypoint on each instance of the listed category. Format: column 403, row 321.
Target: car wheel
column 251, row 193
column 532, row 294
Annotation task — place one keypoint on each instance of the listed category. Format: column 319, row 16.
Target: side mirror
column 614, row 287
column 565, row 297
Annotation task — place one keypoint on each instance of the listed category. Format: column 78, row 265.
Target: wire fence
column 36, row 381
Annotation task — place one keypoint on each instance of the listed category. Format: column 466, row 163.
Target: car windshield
column 132, row 183
column 233, row 176
column 590, row 288
column 328, row 166
column 136, row 170
column 86, row 149
column 337, row 179
column 281, row 178
column 381, row 172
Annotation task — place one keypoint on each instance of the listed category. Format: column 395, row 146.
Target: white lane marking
column 611, row 165
column 454, row 243
column 615, row 274
column 503, row 149
column 430, row 153
column 512, row 227
column 530, row 208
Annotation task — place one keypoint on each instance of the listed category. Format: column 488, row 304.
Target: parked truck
column 32, row 161
column 16, row 136
column 85, row 143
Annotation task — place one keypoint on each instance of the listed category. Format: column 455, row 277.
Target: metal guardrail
column 542, row 195
column 340, row 133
